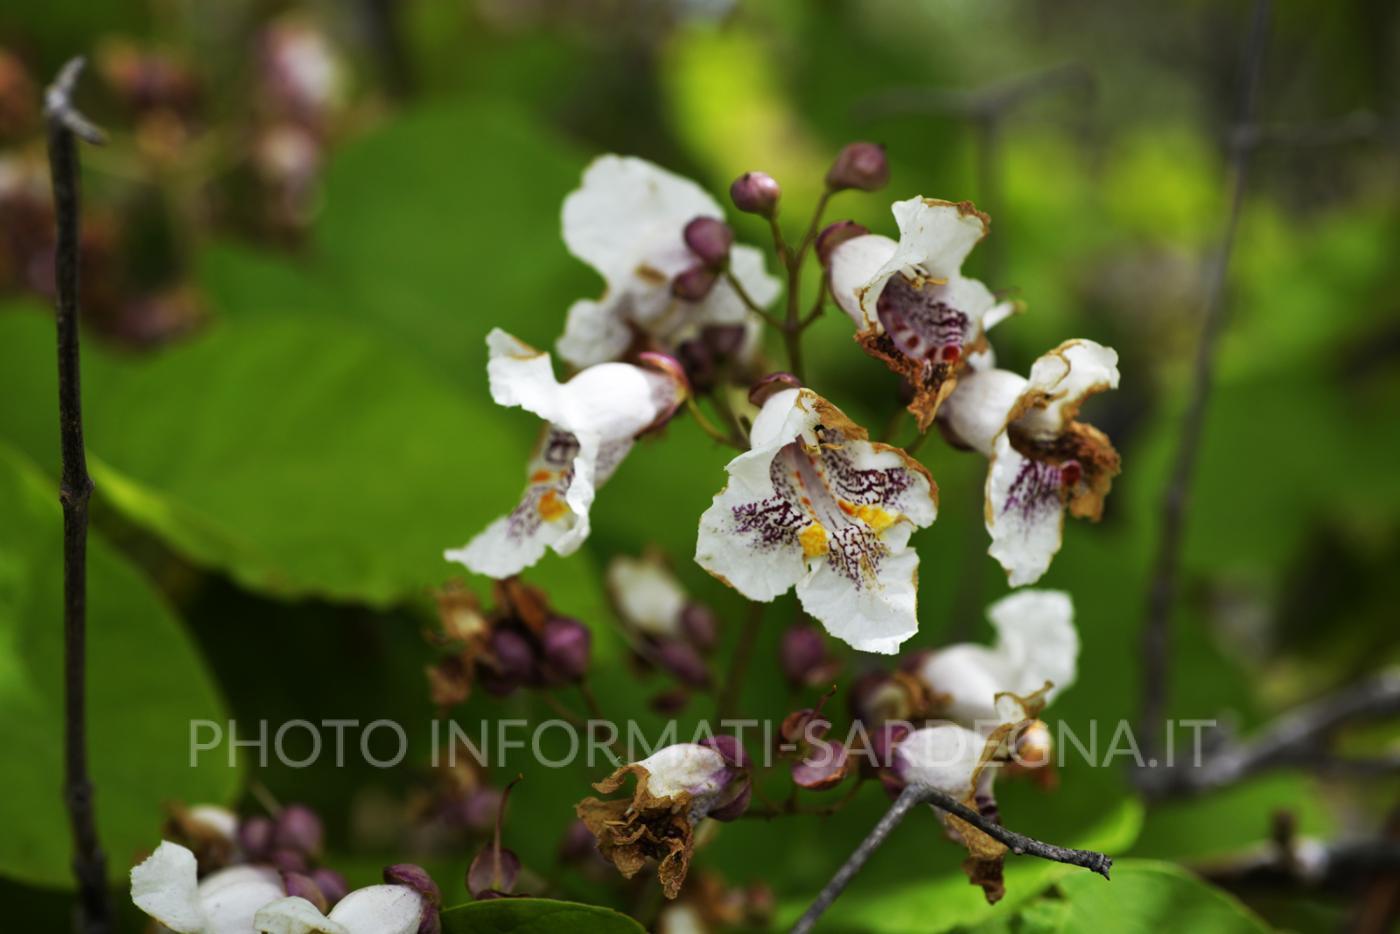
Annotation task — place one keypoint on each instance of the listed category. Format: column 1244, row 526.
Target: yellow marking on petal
column 877, row 518
column 813, row 539
column 551, row 507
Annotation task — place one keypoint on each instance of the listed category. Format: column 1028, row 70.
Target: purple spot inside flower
column 1035, row 489
column 921, row 325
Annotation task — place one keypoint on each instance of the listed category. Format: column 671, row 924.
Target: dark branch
column 1161, row 600
column 65, row 126
column 1017, row 843
column 992, row 101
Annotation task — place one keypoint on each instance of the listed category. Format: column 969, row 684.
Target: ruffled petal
column 647, row 595
column 1024, row 512
column 944, row 757
column 594, row 332
column 935, row 238
column 380, row 909
column 1037, row 639
column 166, row 887
column 854, row 265
column 294, row 915
column 872, row 613
column 975, row 414
column 1059, row 383
column 964, row 681
column 231, row 897
column 685, row 767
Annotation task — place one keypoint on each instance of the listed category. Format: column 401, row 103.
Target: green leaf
column 146, row 685
column 302, row 459
column 1148, row 897
column 535, row 916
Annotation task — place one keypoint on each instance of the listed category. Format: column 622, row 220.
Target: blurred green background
column 290, row 268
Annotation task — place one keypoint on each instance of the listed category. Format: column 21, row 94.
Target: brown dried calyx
column 646, row 827
column 1087, row 460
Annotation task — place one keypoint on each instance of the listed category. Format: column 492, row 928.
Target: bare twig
column 1156, row 635
column 912, row 795
column 1296, row 739
column 65, row 126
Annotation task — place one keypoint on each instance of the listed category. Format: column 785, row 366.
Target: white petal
column 855, row 264
column 231, row 897
column 165, row 886
column 594, row 332
column 1024, row 513
column 647, row 595
column 968, row 678
column 380, row 909
column 294, row 916
column 871, row 616
column 723, row 305
column 942, row 757
column 1036, row 636
column 977, row 410
column 934, row 239
column 630, row 214
column 690, row 767
column 1062, row 379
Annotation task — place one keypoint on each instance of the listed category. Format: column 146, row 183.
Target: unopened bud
column 771, row 385
column 859, row 165
column 801, row 651
column 512, row 662
column 303, row 886
column 288, row 860
column 694, row 284
column 833, row 235
column 566, row 648
column 699, row 362
column 493, row 873
column 298, row 828
column 683, row 662
column 710, row 239
column 724, row 340
column 414, row 877
column 255, row 838
column 331, row 883
column 756, row 193
column 699, row 625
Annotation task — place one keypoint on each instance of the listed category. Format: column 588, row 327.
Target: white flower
column 1041, row 459
column 946, row 757
column 626, row 221
column 592, row 421
column 912, row 306
column 648, row 596
column 816, row 505
column 375, row 909
column 167, row 887
column 1036, row 644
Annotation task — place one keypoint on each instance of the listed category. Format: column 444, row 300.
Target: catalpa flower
column 912, row 306
column 677, row 787
column 668, row 629
column 1037, row 648
column 255, row 900
column 816, row 505
column 628, row 222
column 591, row 422
column 1041, row 460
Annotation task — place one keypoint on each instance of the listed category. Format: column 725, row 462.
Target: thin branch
column 912, row 795
column 1296, row 739
column 993, row 100
column 1156, row 635
column 65, row 126
column 709, row 427
column 739, row 665
column 748, row 301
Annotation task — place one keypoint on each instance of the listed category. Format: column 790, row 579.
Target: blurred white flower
column 627, row 222
column 592, row 420
column 167, row 887
column 816, row 505
column 912, row 306
column 374, row 909
column 1041, row 460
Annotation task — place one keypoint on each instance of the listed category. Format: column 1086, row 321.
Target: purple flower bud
column 695, row 283
column 824, row 767
column 710, row 239
column 566, row 648
column 801, row 651
column 736, row 805
column 699, row 363
column 578, row 845
column 699, row 625
column 416, row 878
column 833, row 235
column 683, row 662
column 859, row 165
column 673, row 369
column 298, row 828
column 331, row 883
column 724, row 340
column 493, row 872
column 288, row 860
column 771, row 385
column 756, row 193
column 729, row 748
column 477, row 810
column 255, row 838
column 303, row 886
column 511, row 663
column 669, row 703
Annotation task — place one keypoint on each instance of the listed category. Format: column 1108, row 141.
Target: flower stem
column 65, row 126
column 709, row 427
column 749, row 302
column 1020, row 844
column 739, row 666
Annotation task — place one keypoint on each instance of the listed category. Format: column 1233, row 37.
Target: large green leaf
column 535, row 916
column 1150, row 897
column 305, row 460
column 146, row 685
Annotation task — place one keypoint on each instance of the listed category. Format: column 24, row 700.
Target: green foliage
column 146, row 685
column 535, row 916
column 1149, row 897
